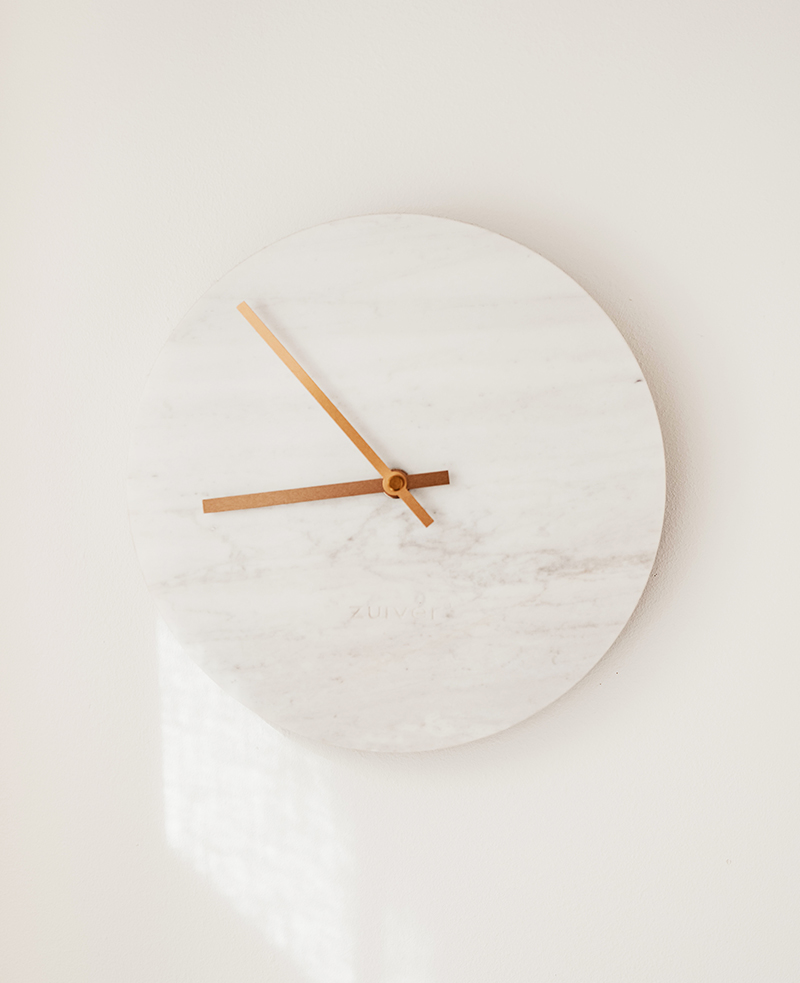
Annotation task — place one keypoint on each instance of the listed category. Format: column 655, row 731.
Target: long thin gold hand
column 315, row 493
column 392, row 479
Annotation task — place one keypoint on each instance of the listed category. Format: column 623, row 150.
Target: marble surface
column 448, row 347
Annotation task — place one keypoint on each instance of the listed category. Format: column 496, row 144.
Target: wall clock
column 465, row 566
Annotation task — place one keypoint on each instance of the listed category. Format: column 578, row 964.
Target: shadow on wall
column 252, row 812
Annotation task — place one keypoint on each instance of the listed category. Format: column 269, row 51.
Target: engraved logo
column 388, row 612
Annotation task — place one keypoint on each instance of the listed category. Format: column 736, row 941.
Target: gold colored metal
column 405, row 495
column 315, row 493
column 341, row 421
column 394, row 482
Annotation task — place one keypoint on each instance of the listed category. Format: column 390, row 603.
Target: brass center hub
column 394, row 482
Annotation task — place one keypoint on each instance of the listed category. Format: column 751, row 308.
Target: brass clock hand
column 394, row 481
column 315, row 493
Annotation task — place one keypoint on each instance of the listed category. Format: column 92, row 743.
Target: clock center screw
column 394, row 482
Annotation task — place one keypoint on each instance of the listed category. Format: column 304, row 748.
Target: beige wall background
column 642, row 828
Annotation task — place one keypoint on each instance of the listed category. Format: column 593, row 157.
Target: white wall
column 644, row 827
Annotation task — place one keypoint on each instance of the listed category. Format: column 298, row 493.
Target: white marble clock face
column 449, row 348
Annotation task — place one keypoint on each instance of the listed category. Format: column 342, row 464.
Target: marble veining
column 448, row 347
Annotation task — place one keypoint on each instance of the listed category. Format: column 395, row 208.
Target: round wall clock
column 396, row 483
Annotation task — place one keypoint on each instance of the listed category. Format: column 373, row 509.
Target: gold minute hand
column 394, row 481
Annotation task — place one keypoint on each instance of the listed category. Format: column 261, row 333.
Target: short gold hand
column 388, row 474
column 316, row 493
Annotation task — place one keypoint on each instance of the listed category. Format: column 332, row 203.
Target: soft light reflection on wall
column 252, row 812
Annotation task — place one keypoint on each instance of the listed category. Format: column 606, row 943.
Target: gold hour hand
column 315, row 493
column 389, row 475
